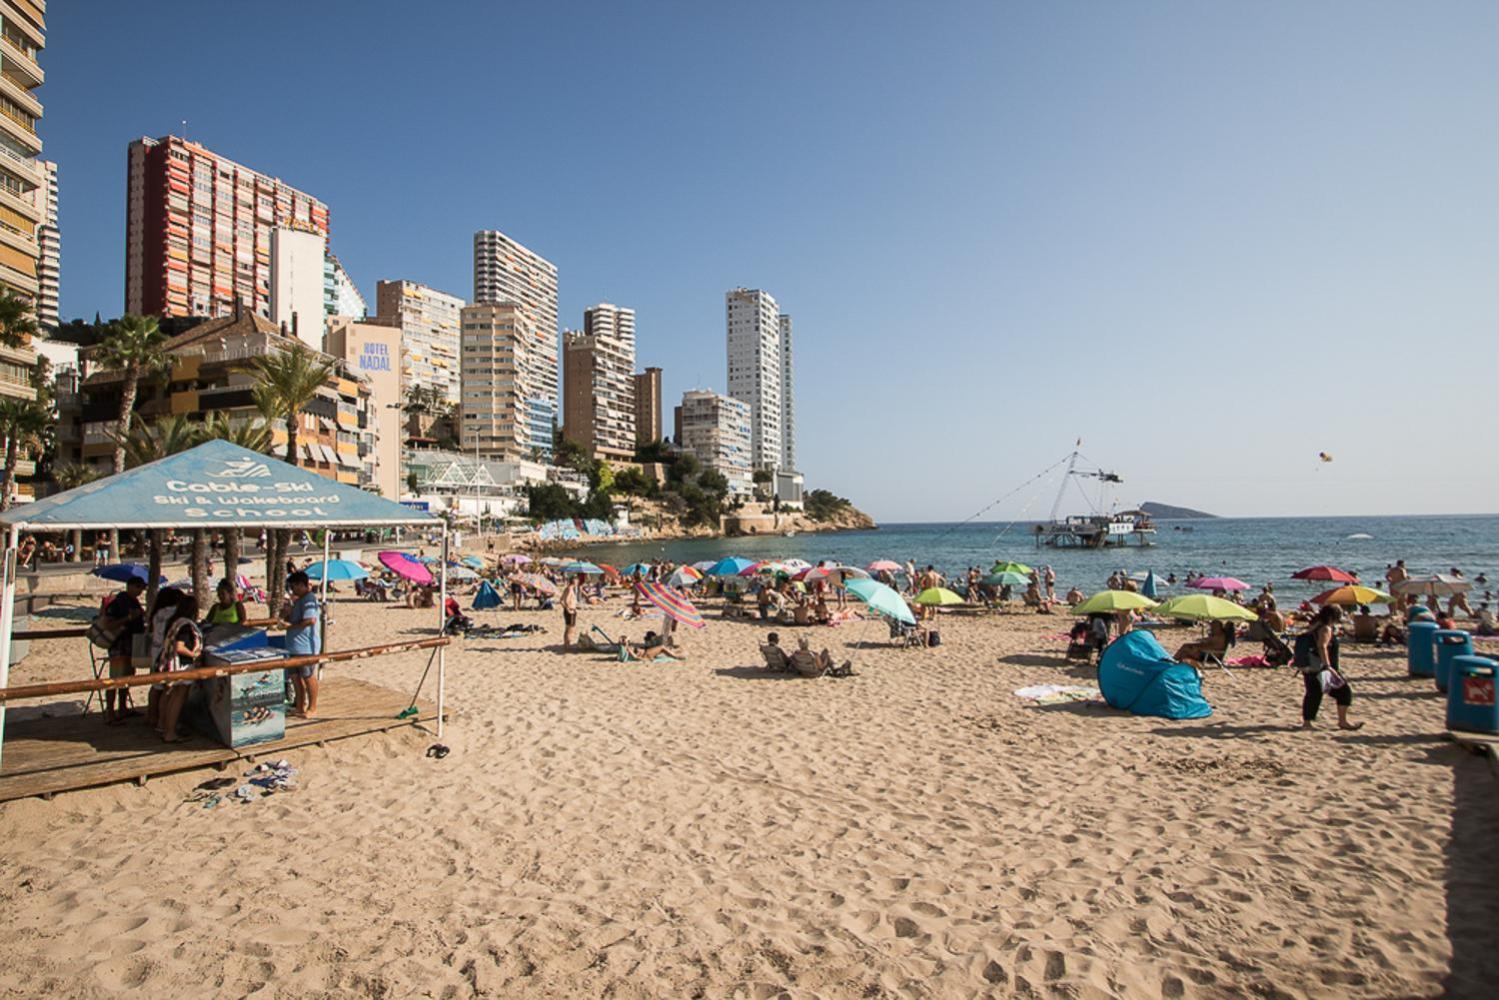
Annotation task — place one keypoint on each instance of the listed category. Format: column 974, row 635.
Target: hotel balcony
column 14, row 87
column 10, row 237
column 22, row 282
column 18, row 129
column 14, row 56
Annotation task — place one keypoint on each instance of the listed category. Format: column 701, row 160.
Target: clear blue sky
column 1210, row 239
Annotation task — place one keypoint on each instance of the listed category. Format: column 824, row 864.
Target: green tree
column 549, row 502
column 71, row 475
column 17, row 320
column 634, row 482
column 653, row 451
column 683, row 469
column 713, row 482
column 286, row 381
column 137, row 347
column 412, row 483
column 821, row 505
column 26, row 424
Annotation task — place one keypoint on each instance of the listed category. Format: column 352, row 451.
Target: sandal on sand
column 438, row 751
column 1351, row 726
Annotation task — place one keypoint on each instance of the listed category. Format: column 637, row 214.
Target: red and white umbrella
column 676, row 606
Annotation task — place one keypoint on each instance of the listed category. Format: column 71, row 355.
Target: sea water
column 1256, row 550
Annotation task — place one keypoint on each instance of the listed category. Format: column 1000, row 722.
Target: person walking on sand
column 570, row 611
column 1316, row 655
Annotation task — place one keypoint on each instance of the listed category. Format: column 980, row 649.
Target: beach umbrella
column 406, row 568
column 1331, row 574
column 586, row 568
column 609, row 571
column 461, row 573
column 1204, row 608
column 555, row 561
column 684, row 576
column 885, row 565
column 676, row 606
column 515, row 559
column 937, row 596
column 1007, row 579
column 643, row 569
column 1109, row 601
column 337, row 569
column 472, row 562
column 1352, row 595
column 841, row 574
column 796, row 564
column 1011, row 567
column 1435, row 585
column 1218, row 583
column 124, row 573
column 729, row 566
column 538, row 583
column 882, row 599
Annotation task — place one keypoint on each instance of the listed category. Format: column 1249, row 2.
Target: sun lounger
column 775, row 658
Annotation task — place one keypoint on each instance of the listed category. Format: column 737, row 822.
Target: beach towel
column 1057, row 694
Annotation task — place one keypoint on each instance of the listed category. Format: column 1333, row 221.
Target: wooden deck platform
column 43, row 756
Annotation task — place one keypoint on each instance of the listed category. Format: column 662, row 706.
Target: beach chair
column 904, row 635
column 775, row 659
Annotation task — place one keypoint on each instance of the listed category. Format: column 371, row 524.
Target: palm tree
column 252, row 434
column 17, row 321
column 135, row 345
column 70, row 476
column 148, row 443
column 286, row 381
column 25, row 423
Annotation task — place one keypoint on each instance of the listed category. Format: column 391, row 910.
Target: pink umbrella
column 407, row 568
column 515, row 559
column 1218, row 583
column 884, row 564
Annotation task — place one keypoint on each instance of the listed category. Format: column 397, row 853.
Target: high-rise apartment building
column 429, row 323
column 198, row 230
column 297, row 261
column 340, row 295
column 49, row 253
column 23, row 177
column 509, row 398
column 717, row 430
column 647, row 406
column 506, row 272
column 756, row 370
column 598, row 390
column 788, row 398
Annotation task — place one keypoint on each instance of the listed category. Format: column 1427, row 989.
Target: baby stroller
column 1277, row 652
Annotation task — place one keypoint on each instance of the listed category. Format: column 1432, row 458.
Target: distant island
column 1164, row 511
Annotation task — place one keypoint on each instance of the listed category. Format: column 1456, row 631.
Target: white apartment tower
column 759, row 349
column 716, row 429
column 506, row 365
column 788, row 397
column 506, row 272
column 428, row 320
column 49, row 258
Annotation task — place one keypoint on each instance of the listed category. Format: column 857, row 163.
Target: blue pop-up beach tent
column 487, row 597
column 213, row 486
column 1138, row 675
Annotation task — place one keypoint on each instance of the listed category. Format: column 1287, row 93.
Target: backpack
column 1301, row 652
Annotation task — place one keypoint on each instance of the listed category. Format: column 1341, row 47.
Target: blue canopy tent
column 487, row 597
column 1136, row 674
column 215, row 485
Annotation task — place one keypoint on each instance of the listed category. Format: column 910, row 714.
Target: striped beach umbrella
column 538, row 583
column 586, row 568
column 684, row 576
column 671, row 602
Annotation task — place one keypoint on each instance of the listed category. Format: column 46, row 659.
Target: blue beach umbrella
column 338, row 569
column 643, row 568
column 473, row 562
column 882, row 599
column 730, row 566
column 1148, row 588
column 587, row 568
column 124, row 573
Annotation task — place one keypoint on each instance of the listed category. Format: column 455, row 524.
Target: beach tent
column 215, row 485
column 487, row 597
column 1138, row 675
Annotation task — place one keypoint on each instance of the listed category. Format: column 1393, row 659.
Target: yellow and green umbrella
column 1106, row 602
column 937, row 596
column 1205, row 608
column 1011, row 567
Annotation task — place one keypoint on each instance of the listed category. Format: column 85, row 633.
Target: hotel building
column 506, row 272
column 429, row 324
column 198, row 230
column 372, row 351
column 759, row 362
column 24, row 195
column 49, row 255
column 509, row 397
column 717, row 430
column 598, row 367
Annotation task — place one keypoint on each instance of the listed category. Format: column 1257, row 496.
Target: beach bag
column 1301, row 653
column 934, row 638
column 103, row 632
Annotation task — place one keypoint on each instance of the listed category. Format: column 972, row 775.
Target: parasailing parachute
column 1324, row 456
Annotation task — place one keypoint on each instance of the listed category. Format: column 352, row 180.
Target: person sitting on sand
column 652, row 644
column 1033, row 598
column 820, row 613
column 810, row 664
column 1074, row 596
column 1319, row 673
column 1485, row 619
column 420, row 597
column 1459, row 602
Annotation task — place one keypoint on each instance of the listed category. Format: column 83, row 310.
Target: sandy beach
column 709, row 829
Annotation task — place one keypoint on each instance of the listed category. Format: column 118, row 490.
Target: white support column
column 322, row 616
column 7, row 616
column 442, row 613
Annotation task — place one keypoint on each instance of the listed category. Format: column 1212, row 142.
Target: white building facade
column 759, row 359
column 509, row 389
column 49, row 253
column 297, row 257
column 716, row 429
column 788, row 398
column 505, row 272
column 429, row 323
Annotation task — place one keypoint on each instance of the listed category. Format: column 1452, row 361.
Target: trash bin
column 1420, row 650
column 1470, row 695
column 1450, row 643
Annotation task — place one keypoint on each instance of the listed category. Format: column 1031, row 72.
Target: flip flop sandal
column 438, row 751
